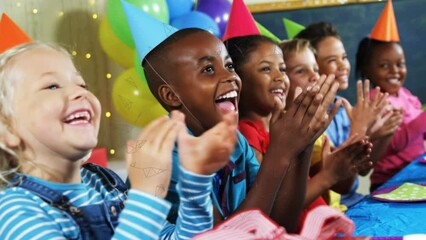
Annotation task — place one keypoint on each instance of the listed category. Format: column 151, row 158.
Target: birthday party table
column 381, row 218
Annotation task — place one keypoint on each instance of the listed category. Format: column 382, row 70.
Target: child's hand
column 366, row 111
column 149, row 158
column 346, row 160
column 387, row 124
column 209, row 152
column 306, row 118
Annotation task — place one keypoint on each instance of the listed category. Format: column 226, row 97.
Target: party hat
column 147, row 31
column 241, row 22
column 10, row 34
column 265, row 32
column 292, row 28
column 386, row 29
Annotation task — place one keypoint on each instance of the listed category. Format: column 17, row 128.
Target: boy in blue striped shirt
column 49, row 124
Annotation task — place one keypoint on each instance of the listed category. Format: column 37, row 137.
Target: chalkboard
column 355, row 21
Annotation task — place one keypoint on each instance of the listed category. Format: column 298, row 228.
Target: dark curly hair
column 364, row 53
column 317, row 32
column 239, row 47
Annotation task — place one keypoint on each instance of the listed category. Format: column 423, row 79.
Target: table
column 385, row 219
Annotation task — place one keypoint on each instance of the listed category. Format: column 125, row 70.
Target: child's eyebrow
column 47, row 74
column 264, row 61
column 295, row 66
column 210, row 58
column 207, row 58
column 328, row 57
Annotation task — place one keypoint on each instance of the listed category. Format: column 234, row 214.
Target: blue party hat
column 147, row 31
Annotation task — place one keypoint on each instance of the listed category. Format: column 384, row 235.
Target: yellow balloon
column 113, row 46
column 134, row 101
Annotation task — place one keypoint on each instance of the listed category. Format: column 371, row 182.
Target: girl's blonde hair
column 10, row 158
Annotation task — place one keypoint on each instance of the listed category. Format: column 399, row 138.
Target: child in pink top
column 384, row 64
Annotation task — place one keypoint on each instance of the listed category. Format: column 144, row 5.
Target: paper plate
column 407, row 192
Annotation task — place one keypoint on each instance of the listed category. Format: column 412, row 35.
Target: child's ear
column 168, row 96
column 10, row 139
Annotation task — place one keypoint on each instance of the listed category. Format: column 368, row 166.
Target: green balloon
column 118, row 22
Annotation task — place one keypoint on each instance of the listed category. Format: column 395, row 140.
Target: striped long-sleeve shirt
column 23, row 215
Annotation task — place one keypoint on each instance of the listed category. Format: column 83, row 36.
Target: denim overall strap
column 96, row 221
column 110, row 178
column 48, row 195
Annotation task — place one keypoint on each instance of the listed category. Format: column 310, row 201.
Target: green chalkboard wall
column 355, row 21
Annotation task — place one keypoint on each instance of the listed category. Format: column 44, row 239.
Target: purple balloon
column 216, row 9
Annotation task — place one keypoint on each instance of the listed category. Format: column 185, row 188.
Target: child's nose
column 279, row 76
column 229, row 76
column 393, row 68
column 314, row 77
column 77, row 92
column 342, row 64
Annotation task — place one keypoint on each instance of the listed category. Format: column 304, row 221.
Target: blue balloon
column 179, row 7
column 196, row 19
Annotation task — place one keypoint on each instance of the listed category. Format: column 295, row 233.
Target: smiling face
column 302, row 70
column 201, row 73
column 332, row 59
column 54, row 114
column 263, row 75
column 386, row 67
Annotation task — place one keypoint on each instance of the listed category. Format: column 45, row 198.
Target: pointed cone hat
column 386, row 29
column 265, row 32
column 292, row 28
column 147, row 31
column 241, row 22
column 11, row 34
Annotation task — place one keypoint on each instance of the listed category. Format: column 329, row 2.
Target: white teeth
column 394, row 81
column 78, row 122
column 85, row 115
column 232, row 94
column 277, row 91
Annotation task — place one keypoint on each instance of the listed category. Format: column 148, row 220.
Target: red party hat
column 241, row 22
column 10, row 34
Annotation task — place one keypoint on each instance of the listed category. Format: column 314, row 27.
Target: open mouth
column 227, row 102
column 279, row 92
column 79, row 117
column 342, row 78
column 394, row 81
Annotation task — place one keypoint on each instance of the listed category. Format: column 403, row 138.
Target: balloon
column 134, row 101
column 113, row 47
column 198, row 20
column 117, row 18
column 218, row 10
column 179, row 7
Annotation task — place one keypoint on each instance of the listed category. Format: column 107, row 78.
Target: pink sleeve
column 406, row 133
